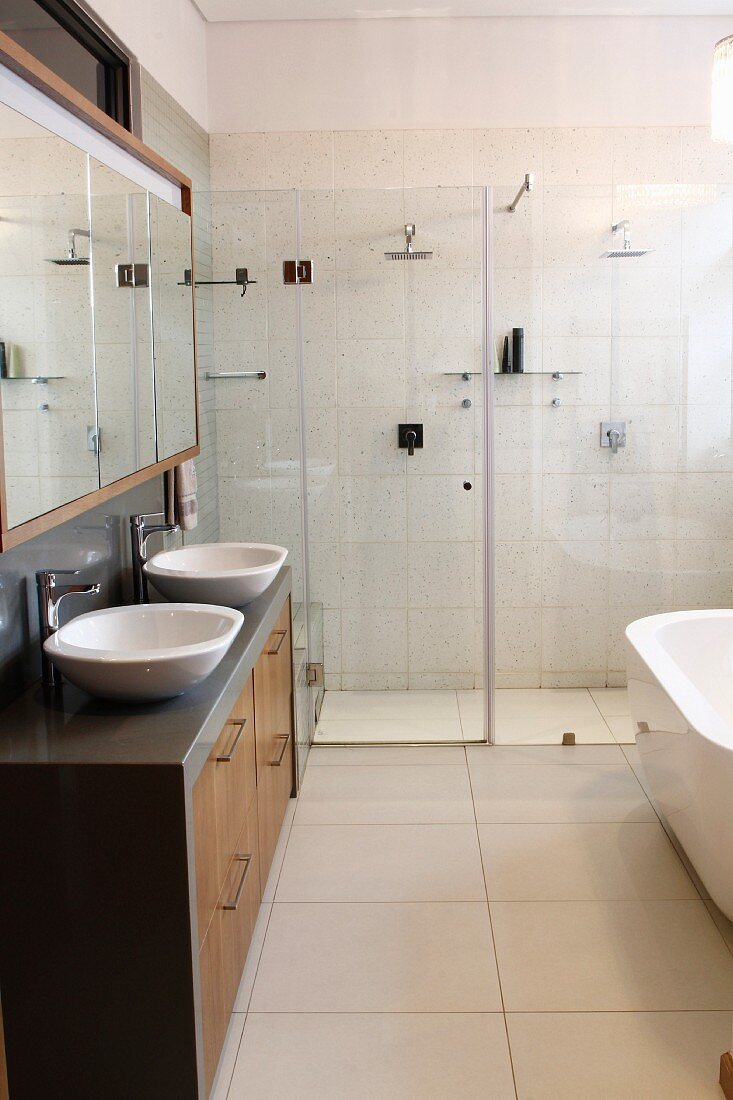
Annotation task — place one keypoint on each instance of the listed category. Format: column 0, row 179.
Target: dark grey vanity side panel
column 98, row 544
column 95, row 933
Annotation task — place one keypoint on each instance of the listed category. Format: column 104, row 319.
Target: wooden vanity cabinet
column 239, row 802
column 135, row 844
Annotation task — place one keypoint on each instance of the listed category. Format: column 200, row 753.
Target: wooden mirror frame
column 34, row 72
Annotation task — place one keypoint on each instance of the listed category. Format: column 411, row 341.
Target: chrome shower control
column 467, row 402
column 556, row 402
column 613, row 434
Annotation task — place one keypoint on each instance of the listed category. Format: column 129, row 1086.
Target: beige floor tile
column 389, row 704
column 622, row 728
column 246, row 985
column 386, row 755
column 582, row 862
column 586, row 956
column 545, row 754
column 549, row 730
column 389, row 796
column 404, row 957
column 631, row 752
column 557, row 703
column 725, row 926
column 553, row 793
column 371, row 863
column 220, row 1090
column 365, row 1057
column 386, row 730
column 618, row 1055
column 611, row 701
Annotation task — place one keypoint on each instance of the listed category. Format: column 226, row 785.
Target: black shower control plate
column 402, row 435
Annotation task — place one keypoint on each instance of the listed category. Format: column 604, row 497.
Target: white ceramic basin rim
column 217, row 559
column 228, row 573
column 148, row 632
column 144, row 653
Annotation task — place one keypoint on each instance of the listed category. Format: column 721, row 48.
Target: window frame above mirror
column 39, row 77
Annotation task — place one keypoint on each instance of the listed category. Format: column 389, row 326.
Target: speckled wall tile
column 649, row 338
column 503, row 157
column 369, row 158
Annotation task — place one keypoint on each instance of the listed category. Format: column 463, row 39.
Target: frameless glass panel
column 175, row 396
column 123, row 342
column 255, row 391
column 395, row 520
column 613, row 465
column 46, row 359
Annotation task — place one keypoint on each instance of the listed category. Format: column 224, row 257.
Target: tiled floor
column 528, row 716
column 476, row 922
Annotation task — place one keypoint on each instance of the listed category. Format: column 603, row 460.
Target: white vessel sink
column 227, row 573
column 144, row 653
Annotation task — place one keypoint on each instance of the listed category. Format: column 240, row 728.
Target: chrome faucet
column 140, row 531
column 50, row 595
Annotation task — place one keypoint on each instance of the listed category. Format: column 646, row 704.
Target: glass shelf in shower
column 36, row 379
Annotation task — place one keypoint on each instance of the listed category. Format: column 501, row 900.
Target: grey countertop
column 70, row 727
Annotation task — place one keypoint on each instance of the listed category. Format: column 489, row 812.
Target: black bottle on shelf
column 518, row 351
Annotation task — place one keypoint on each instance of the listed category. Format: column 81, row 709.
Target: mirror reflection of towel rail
column 210, row 374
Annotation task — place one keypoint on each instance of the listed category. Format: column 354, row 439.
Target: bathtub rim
column 699, row 713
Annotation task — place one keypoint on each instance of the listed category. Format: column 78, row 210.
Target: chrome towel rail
column 211, row 375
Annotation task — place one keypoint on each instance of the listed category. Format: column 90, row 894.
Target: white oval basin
column 228, row 573
column 144, row 653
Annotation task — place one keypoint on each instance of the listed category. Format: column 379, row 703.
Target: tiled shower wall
column 174, row 134
column 586, row 541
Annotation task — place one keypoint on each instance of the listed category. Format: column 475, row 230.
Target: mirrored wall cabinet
column 97, row 350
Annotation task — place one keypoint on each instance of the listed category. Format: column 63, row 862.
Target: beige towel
column 182, row 503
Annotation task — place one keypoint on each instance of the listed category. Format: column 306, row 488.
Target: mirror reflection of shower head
column 72, row 258
column 627, row 252
column 409, row 252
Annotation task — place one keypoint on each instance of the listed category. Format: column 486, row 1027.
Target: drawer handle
column 226, row 758
column 284, row 737
column 274, row 652
column 234, row 903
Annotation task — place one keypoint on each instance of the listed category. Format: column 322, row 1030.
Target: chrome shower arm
column 523, row 190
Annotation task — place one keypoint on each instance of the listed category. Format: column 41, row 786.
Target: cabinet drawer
column 221, row 797
column 240, row 903
column 206, row 846
column 235, row 773
column 214, row 1009
column 274, row 736
column 223, row 952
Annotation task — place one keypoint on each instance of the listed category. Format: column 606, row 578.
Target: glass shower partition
column 315, row 385
column 256, row 395
column 393, row 341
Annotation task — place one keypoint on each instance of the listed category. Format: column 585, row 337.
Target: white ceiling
column 236, row 10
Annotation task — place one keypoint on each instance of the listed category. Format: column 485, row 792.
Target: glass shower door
column 392, row 344
column 254, row 390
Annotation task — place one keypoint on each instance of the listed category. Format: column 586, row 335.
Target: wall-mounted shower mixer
column 613, row 434
column 410, row 436
column 467, row 402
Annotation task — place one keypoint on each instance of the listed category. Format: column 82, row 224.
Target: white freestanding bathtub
column 680, row 672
